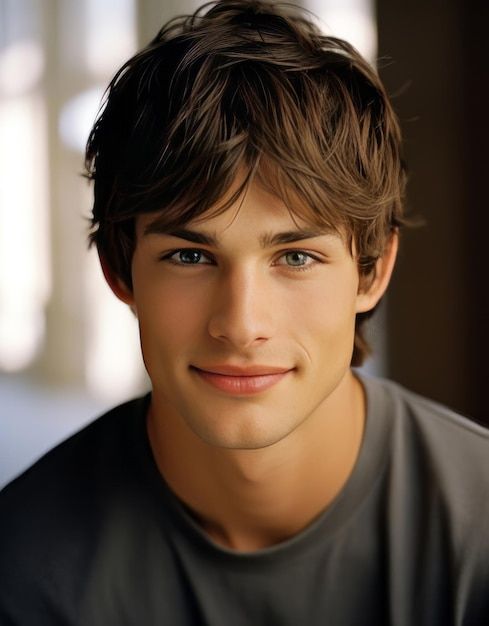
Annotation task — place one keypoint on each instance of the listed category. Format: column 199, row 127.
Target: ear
column 117, row 285
column 369, row 296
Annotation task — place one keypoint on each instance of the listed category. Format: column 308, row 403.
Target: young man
column 248, row 196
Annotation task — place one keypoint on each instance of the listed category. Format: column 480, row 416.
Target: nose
column 242, row 309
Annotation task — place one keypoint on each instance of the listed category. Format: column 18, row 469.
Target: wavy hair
column 246, row 84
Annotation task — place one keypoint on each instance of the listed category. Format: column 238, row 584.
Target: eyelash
column 299, row 268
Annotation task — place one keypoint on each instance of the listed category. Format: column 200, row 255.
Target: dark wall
column 434, row 60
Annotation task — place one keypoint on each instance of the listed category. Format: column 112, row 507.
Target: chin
column 243, row 436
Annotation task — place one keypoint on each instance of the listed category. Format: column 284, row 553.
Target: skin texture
column 253, row 470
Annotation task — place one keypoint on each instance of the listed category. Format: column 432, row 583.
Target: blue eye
column 298, row 257
column 298, row 260
column 186, row 256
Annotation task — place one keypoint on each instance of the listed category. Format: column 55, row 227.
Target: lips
column 252, row 370
column 232, row 380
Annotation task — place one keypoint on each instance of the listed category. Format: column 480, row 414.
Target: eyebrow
column 266, row 239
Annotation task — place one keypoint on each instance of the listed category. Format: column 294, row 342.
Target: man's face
column 236, row 302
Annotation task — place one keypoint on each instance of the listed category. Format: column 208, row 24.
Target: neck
column 251, row 499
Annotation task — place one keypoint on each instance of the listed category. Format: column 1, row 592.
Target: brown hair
column 246, row 83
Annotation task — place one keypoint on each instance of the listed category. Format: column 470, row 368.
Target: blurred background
column 69, row 350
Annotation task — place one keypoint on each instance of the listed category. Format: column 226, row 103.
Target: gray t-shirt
column 91, row 535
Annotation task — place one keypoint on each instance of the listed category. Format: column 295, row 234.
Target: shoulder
column 52, row 515
column 437, row 489
column 65, row 486
column 438, row 465
column 80, row 455
column 450, row 447
column 433, row 451
column 420, row 419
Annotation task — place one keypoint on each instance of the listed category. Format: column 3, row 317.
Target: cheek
column 168, row 315
column 333, row 331
column 327, row 306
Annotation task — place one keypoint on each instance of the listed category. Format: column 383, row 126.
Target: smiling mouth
column 241, row 384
